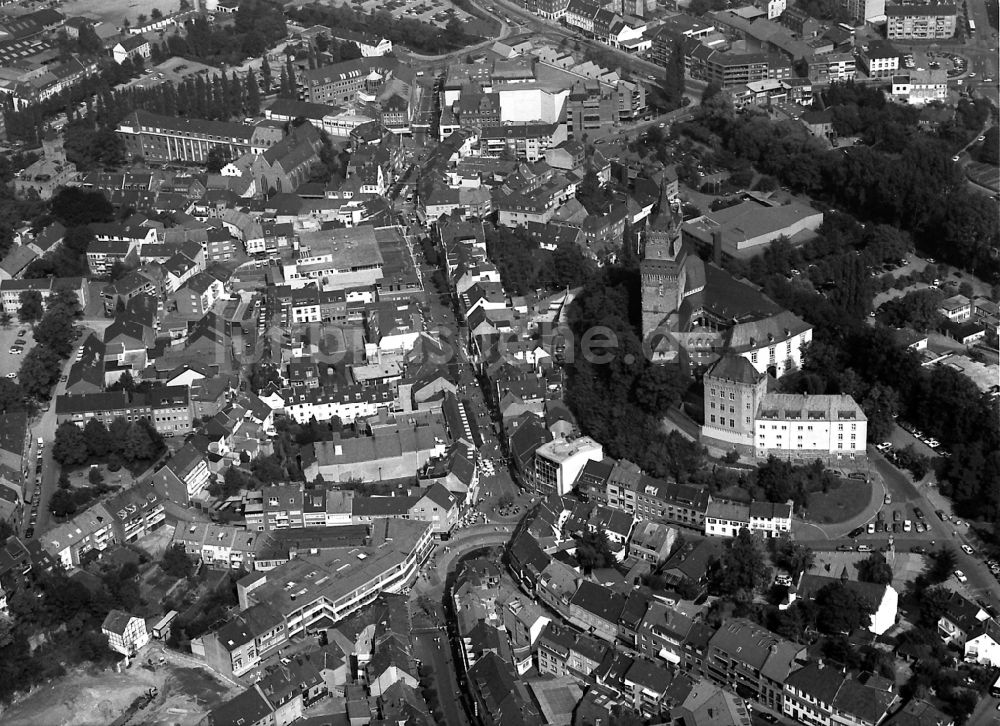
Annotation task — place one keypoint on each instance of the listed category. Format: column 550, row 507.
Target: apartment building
column 11, row 290
column 920, row 22
column 647, row 498
column 218, row 546
column 726, row 519
column 238, row 647
column 744, row 656
column 167, row 408
column 878, row 59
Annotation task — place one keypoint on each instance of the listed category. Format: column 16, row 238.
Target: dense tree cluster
column 524, row 267
column 42, row 365
column 127, row 441
column 778, row 480
column 595, row 197
column 907, row 181
column 593, row 551
column 742, row 572
column 421, row 37
column 175, row 561
column 619, row 395
column 70, row 614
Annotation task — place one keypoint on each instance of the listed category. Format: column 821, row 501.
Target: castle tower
column 662, row 269
column 733, row 392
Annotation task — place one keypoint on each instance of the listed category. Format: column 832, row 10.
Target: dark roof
column 867, row 703
column 902, row 11
column 249, row 707
column 816, row 680
column 734, row 368
column 600, row 601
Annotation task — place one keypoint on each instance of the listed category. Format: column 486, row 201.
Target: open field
column 84, row 696
column 114, row 11
column 839, row 504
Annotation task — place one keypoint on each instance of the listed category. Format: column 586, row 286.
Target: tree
column 155, row 14
column 98, row 438
column 62, row 503
column 74, row 206
column 31, row 306
column 11, row 396
column 840, row 610
column 793, row 557
column 95, row 477
column 659, row 388
column 55, row 332
column 595, row 198
column 139, row 444
column 39, row 371
column 593, row 551
column 118, row 434
column 70, row 446
column 64, row 482
column 874, row 569
column 265, row 74
column 176, row 562
column 742, row 571
column 216, row 159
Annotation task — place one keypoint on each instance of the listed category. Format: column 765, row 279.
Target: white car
column 871, row 528
column 884, row 446
column 960, row 576
column 968, row 550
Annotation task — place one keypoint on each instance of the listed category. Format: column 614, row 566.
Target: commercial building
column 920, row 22
column 311, row 590
column 745, row 228
column 864, row 11
column 559, row 462
column 340, row 83
column 918, row 87
column 726, row 519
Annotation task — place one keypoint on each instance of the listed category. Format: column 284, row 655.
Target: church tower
column 662, row 269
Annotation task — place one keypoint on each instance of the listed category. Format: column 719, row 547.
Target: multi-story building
column 726, row 519
column 219, row 546
column 864, row 11
column 564, row 652
column 329, row 586
column 918, row 87
column 597, row 609
column 920, row 22
column 879, row 59
column 733, row 391
column 559, row 462
column 341, row 82
column 647, row 498
column 177, row 138
column 730, row 69
column 810, row 426
column 185, row 475
column 750, row 659
column 167, row 408
column 11, row 290
column 239, row 646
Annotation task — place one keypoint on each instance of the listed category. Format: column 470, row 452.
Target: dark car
column 918, row 550
column 858, row 475
column 844, row 548
column 767, row 717
column 940, row 515
column 918, row 512
column 856, row 532
column 896, row 527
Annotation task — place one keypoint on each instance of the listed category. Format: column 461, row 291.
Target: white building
column 559, row 462
column 863, row 11
column 126, row 633
column 767, row 519
column 775, row 8
column 918, row 87
column 804, row 426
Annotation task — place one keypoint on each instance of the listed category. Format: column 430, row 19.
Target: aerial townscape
column 499, row 363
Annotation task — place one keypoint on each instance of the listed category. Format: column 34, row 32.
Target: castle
column 693, row 312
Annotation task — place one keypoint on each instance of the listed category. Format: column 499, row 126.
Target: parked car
column 856, row 532
column 968, row 550
column 960, row 576
column 844, row 548
column 918, row 550
column 896, row 516
column 864, row 548
column 941, row 515
column 871, row 528
column 918, row 512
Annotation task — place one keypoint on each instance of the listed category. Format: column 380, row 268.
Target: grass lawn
column 837, row 505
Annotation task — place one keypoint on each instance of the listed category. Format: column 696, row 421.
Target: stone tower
column 662, row 269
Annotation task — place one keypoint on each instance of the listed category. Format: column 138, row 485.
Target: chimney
column 717, row 246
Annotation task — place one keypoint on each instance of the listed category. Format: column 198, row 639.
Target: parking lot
column 14, row 336
column 437, row 12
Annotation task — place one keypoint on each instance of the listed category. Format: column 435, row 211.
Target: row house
column 562, row 651
column 218, row 546
column 167, row 408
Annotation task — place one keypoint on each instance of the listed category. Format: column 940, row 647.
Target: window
column 732, row 396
